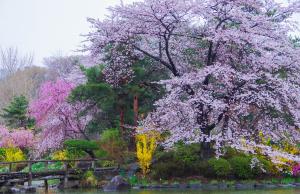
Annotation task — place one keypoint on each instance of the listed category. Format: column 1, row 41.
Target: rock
column 133, row 168
column 14, row 190
column 118, row 183
column 22, row 189
column 297, row 184
column 71, row 184
column 29, row 189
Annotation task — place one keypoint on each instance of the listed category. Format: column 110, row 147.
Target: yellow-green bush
column 12, row 154
column 146, row 144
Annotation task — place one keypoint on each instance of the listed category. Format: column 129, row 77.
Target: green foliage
column 81, row 144
column 111, row 100
column 183, row 161
column 108, row 163
column 231, row 152
column 100, row 153
column 112, row 143
column 40, row 167
column 188, row 154
column 221, row 167
column 15, row 114
column 287, row 180
column 76, row 148
column 89, row 179
column 109, row 135
column 166, row 170
column 241, row 167
column 133, row 180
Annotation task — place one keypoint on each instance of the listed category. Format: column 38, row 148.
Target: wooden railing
column 46, row 171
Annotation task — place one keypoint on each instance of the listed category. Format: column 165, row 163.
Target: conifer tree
column 15, row 114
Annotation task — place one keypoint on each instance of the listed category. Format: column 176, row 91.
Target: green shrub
column 89, row 179
column 188, row 154
column 203, row 169
column 81, row 144
column 101, row 153
column 221, row 167
column 288, row 180
column 231, row 152
column 166, row 166
column 113, row 144
column 77, row 148
column 183, row 161
column 108, row 163
column 133, row 180
column 241, row 167
column 167, row 170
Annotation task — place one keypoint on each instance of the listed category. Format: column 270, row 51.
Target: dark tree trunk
column 207, row 150
column 136, row 110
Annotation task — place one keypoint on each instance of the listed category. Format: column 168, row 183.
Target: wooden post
column 93, row 166
column 10, row 167
column 29, row 173
column 46, row 166
column 46, row 185
column 66, row 175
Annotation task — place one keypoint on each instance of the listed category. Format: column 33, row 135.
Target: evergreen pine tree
column 15, row 114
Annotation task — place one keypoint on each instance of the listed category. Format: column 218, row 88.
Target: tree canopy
column 15, row 114
column 235, row 69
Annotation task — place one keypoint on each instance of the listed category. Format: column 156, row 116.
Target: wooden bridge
column 71, row 169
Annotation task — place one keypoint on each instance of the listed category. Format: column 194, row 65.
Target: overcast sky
column 49, row 27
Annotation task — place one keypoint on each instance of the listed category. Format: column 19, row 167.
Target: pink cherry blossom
column 234, row 70
column 58, row 119
column 18, row 137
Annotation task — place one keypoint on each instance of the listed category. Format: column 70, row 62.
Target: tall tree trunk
column 136, row 110
column 135, row 122
column 207, row 150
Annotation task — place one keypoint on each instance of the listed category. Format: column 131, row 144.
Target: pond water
column 275, row 191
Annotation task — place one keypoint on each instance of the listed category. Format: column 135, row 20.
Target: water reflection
column 277, row 191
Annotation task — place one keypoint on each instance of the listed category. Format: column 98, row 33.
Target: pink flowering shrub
column 58, row 119
column 296, row 170
column 19, row 137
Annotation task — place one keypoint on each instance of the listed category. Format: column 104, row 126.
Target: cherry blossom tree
column 235, row 69
column 20, row 138
column 58, row 119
